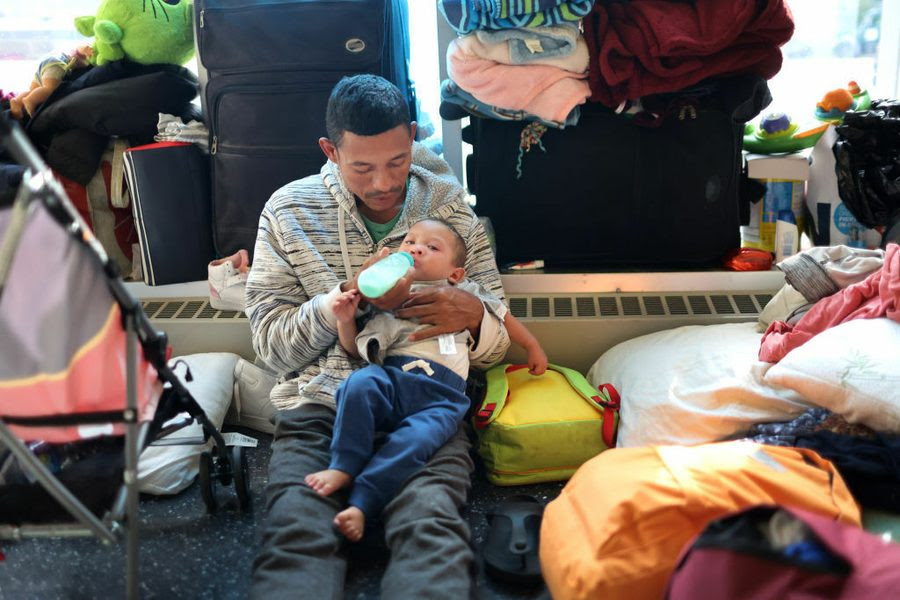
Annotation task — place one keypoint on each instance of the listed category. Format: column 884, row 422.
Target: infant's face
column 433, row 248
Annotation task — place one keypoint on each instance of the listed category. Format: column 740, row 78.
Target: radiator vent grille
column 699, row 305
column 631, row 306
column 676, row 305
column 562, row 307
column 569, row 306
column 653, row 305
column 540, row 307
column 192, row 308
column 722, row 304
column 585, row 307
column 638, row 305
column 608, row 307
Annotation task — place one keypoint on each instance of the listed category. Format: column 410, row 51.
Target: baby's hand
column 537, row 361
column 344, row 306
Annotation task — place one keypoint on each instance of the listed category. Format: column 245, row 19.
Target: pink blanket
column 878, row 295
column 544, row 91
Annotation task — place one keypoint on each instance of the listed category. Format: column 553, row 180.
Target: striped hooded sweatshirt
column 311, row 238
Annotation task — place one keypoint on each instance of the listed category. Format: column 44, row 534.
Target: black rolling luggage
column 267, row 68
column 610, row 192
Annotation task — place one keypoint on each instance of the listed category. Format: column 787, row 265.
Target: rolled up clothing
column 560, row 46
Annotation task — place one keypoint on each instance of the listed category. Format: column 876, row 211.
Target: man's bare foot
column 327, row 481
column 351, row 522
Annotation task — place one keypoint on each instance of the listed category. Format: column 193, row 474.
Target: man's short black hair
column 364, row 105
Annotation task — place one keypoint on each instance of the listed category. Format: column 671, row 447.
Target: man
column 315, row 236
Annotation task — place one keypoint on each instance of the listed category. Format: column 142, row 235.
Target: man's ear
column 412, row 131
column 457, row 275
column 328, row 148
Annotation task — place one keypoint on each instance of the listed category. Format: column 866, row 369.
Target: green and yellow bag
column 542, row 428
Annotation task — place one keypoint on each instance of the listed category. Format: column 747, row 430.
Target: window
column 834, row 42
column 32, row 31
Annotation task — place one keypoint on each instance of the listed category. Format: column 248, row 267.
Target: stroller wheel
column 241, row 482
column 207, row 482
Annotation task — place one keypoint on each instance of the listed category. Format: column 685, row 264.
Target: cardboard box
column 832, row 223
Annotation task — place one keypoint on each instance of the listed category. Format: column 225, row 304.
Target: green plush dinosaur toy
column 143, row 31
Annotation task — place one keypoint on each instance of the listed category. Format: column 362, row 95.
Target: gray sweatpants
column 300, row 554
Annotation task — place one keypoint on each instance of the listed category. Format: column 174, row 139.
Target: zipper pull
column 201, row 18
column 215, row 142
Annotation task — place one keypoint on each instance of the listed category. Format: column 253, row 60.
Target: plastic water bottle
column 384, row 274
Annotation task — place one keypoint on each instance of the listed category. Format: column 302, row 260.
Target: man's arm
column 288, row 329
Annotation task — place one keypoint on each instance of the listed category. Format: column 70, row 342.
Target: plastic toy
column 144, row 32
column 777, row 132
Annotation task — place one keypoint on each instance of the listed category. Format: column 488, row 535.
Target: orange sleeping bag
column 619, row 524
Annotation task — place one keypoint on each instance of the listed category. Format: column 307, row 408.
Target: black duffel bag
column 658, row 189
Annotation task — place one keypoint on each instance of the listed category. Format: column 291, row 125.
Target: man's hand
column 446, row 308
column 391, row 299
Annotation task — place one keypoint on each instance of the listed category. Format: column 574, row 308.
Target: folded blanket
column 535, row 46
column 468, row 15
column 646, row 47
column 549, row 93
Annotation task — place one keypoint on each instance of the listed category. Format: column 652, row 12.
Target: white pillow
column 170, row 469
column 852, row 369
column 691, row 385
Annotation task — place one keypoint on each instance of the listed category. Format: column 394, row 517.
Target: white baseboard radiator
column 576, row 317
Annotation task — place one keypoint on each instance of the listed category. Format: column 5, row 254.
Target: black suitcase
column 609, row 192
column 267, row 69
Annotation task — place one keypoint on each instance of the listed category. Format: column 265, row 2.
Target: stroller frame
column 38, row 183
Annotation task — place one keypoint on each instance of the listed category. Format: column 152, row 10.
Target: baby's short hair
column 459, row 250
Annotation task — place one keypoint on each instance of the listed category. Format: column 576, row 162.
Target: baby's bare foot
column 351, row 522
column 327, row 481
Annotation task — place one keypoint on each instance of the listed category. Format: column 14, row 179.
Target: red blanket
column 645, row 47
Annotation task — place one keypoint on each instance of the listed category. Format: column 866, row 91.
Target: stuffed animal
column 143, row 31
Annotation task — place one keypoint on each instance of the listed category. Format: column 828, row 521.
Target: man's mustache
column 395, row 190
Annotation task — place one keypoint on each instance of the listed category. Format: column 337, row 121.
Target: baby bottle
column 383, row 275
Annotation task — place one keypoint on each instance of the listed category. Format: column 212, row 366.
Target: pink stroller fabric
column 63, row 349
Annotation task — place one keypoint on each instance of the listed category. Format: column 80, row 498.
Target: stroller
column 81, row 365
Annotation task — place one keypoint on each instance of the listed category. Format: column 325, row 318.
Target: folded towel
column 468, row 15
column 535, row 46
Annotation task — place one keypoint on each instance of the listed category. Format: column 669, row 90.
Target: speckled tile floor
column 187, row 553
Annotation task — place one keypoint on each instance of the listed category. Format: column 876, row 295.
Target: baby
column 413, row 391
